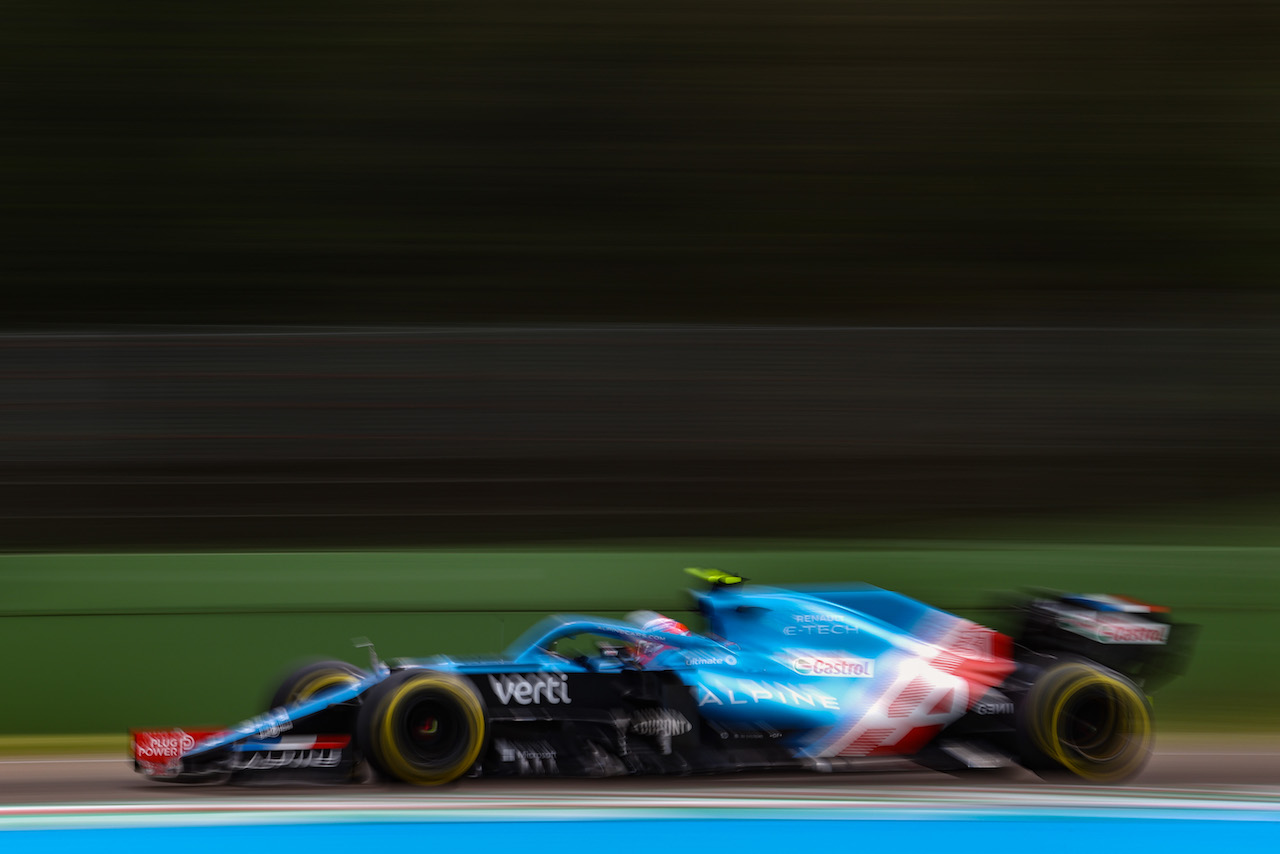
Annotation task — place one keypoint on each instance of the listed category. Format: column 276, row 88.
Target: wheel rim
column 1093, row 725
column 432, row 733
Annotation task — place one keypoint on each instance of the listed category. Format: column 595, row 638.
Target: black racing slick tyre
column 422, row 727
column 310, row 679
column 1086, row 720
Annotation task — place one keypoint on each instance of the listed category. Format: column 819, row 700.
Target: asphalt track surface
column 1212, row 768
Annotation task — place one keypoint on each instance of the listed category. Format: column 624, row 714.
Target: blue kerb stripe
column 928, row 836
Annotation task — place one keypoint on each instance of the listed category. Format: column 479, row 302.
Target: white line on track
column 937, row 799
column 195, row 814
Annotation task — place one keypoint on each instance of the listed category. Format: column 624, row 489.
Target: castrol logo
column 1118, row 629
column 834, row 665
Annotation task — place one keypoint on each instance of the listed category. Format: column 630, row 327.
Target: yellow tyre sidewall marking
column 318, row 683
column 389, row 745
column 1128, row 709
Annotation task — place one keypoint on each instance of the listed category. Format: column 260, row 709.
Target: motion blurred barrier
column 239, row 438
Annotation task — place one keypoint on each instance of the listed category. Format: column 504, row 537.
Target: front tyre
column 1091, row 722
column 422, row 727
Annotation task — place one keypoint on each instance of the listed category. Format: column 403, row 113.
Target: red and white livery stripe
column 1121, row 603
column 928, row 692
column 302, row 742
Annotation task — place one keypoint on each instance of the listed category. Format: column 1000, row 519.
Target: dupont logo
column 533, row 690
column 833, row 665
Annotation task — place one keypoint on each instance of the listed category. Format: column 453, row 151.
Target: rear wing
column 1134, row 638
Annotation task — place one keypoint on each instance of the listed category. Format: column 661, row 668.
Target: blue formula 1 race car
column 783, row 678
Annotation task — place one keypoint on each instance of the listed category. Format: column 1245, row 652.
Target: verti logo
column 532, row 690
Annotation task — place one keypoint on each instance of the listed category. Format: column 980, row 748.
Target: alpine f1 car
column 782, row 678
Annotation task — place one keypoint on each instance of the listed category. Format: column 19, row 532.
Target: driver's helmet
column 652, row 621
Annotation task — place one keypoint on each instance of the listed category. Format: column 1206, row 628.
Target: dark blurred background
column 407, row 271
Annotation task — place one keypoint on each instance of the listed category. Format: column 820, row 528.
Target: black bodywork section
column 628, row 722
column 1038, row 632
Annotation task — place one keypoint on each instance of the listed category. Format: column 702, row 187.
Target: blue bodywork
column 807, row 667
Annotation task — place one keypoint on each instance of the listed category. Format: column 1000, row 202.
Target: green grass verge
column 64, row 745
column 955, row 574
column 95, row 643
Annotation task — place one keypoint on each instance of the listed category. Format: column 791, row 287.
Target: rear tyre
column 310, row 679
column 1088, row 721
column 422, row 727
